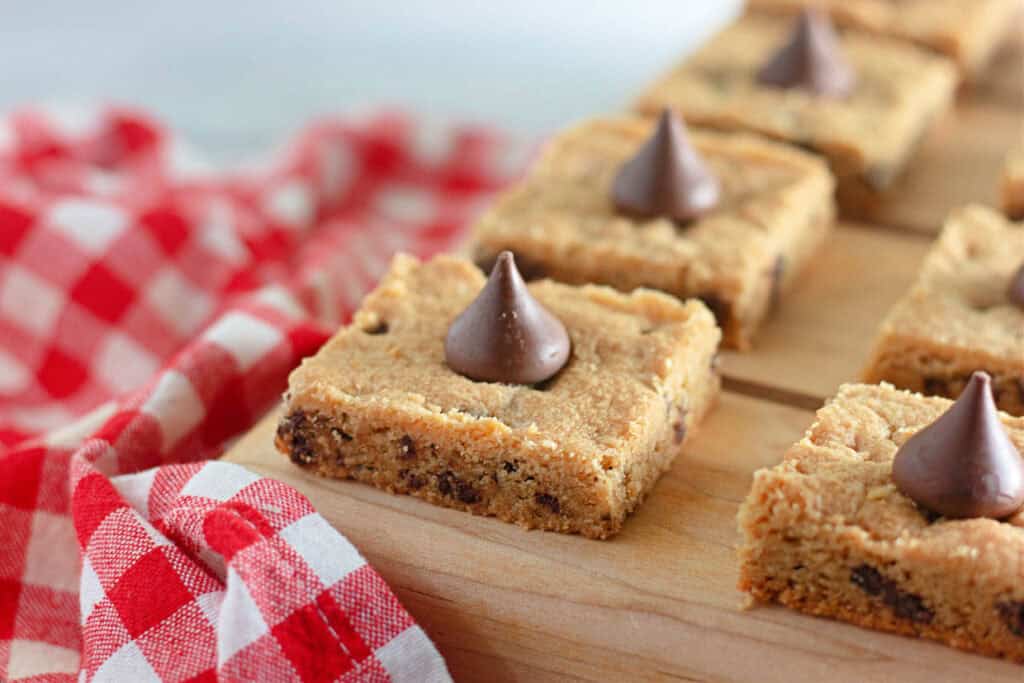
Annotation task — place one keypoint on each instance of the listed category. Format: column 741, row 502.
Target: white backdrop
column 237, row 75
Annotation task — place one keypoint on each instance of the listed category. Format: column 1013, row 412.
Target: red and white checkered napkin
column 149, row 311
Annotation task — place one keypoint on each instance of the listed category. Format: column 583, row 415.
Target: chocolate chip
column 291, row 432
column 903, row 604
column 505, row 335
column 868, row 579
column 413, row 481
column 340, row 435
column 381, row 327
column 284, row 431
column 466, row 493
column 1012, row 614
column 667, row 177
column 719, row 307
column 909, row 606
column 510, row 467
column 406, row 448
column 294, row 421
column 964, row 464
column 548, row 501
column 448, row 484
column 445, row 483
column 812, row 59
column 300, row 452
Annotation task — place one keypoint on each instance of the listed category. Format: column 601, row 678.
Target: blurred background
column 237, row 77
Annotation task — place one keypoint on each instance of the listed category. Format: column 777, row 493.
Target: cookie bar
column 775, row 209
column 574, row 454
column 827, row 532
column 958, row 318
column 1013, row 183
column 867, row 136
column 966, row 31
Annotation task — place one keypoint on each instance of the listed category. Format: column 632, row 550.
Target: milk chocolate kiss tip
column 812, row 59
column 964, row 464
column 1015, row 292
column 666, row 177
column 505, row 335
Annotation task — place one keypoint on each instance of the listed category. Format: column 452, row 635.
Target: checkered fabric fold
column 150, row 310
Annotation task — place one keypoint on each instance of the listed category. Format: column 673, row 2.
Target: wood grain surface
column 658, row 602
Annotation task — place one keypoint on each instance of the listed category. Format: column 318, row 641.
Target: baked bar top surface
column 946, row 25
column 565, row 203
column 843, row 467
column 899, row 86
column 625, row 350
column 959, row 299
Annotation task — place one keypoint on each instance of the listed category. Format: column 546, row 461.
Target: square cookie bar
column 775, row 210
column 868, row 136
column 827, row 532
column 575, row 454
column 966, row 31
column 1013, row 183
column 957, row 318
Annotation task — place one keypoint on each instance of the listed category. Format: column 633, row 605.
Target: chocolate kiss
column 505, row 335
column 812, row 59
column 666, row 177
column 963, row 464
column 1016, row 289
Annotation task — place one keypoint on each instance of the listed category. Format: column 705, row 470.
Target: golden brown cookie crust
column 957, row 317
column 868, row 137
column 776, row 209
column 827, row 532
column 576, row 454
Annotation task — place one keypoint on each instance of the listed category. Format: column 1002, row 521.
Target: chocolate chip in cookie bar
column 568, row 435
column 867, row 131
column 840, row 529
column 961, row 315
column 731, row 219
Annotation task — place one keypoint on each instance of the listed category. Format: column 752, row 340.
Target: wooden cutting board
column 658, row 602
